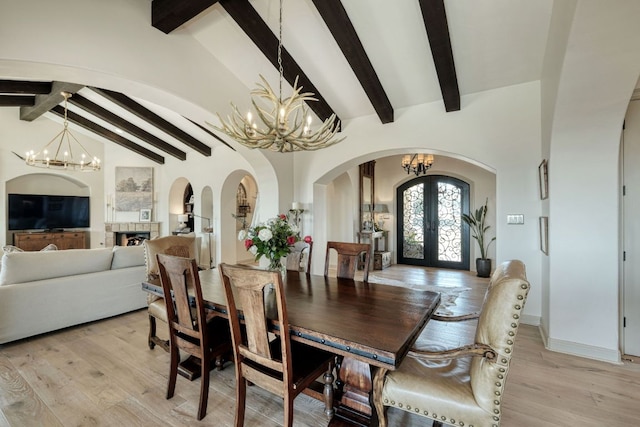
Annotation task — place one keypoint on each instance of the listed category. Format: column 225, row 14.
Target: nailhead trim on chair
column 499, row 384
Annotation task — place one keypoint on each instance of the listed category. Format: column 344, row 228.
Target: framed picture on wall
column 134, row 188
column 544, row 234
column 145, row 215
column 543, row 179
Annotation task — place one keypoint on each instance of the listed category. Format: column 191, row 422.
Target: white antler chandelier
column 286, row 124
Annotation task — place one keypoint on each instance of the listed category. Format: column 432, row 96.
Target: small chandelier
column 286, row 126
column 417, row 163
column 61, row 156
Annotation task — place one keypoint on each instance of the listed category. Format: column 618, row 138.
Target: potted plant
column 478, row 230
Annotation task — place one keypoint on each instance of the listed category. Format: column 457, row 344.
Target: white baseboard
column 581, row 350
column 528, row 319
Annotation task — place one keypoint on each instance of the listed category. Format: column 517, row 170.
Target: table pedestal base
column 354, row 406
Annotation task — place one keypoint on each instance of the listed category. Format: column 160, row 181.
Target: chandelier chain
column 286, row 127
column 280, row 52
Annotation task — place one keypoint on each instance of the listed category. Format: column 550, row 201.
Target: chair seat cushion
column 435, row 389
column 158, row 310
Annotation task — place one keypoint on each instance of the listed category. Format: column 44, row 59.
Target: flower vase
column 275, row 264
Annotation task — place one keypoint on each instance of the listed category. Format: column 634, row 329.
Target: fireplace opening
column 131, row 238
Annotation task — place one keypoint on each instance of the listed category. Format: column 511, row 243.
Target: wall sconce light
column 295, row 214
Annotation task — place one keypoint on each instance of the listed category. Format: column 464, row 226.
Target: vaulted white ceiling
column 495, row 43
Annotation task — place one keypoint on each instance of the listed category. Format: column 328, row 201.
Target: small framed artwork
column 544, row 234
column 543, row 179
column 145, row 215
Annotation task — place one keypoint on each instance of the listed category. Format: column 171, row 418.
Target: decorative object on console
column 279, row 133
column 417, row 163
column 61, row 156
column 380, row 211
column 145, row 215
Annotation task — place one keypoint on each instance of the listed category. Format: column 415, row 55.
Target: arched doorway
column 430, row 230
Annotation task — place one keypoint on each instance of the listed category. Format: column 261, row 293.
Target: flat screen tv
column 47, row 212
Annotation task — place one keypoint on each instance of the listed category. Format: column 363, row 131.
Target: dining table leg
column 355, row 404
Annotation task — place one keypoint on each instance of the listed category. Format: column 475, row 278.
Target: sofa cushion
column 127, row 256
column 183, row 246
column 10, row 248
column 21, row 267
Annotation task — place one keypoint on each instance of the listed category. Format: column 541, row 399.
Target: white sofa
column 45, row 291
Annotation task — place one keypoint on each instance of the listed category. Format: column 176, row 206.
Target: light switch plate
column 515, row 219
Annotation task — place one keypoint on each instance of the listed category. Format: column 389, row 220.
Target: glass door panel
column 431, row 232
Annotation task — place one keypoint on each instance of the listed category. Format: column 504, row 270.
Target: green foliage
column 272, row 239
column 478, row 228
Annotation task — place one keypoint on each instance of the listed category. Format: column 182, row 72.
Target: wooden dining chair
column 348, row 258
column 280, row 366
column 299, row 259
column 182, row 246
column 193, row 330
column 462, row 386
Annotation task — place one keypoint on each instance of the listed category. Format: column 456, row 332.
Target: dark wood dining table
column 371, row 325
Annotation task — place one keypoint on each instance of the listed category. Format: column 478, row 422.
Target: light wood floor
column 103, row 374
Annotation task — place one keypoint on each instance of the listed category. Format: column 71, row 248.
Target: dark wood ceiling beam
column 145, row 114
column 258, row 31
column 341, row 27
column 106, row 133
column 45, row 103
column 435, row 22
column 30, row 88
column 126, row 126
column 211, row 133
column 167, row 15
column 17, row 101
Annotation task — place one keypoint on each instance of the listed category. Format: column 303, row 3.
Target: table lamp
column 182, row 219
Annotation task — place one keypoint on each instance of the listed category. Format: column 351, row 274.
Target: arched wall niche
column 53, row 184
column 176, row 200
column 230, row 249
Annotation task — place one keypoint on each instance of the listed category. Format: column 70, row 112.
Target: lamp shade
column 183, row 218
column 380, row 208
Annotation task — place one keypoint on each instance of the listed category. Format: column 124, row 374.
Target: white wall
column 498, row 130
column 599, row 71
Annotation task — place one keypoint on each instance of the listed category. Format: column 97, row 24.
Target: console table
column 62, row 239
column 380, row 257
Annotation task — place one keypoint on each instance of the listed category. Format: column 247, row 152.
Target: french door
column 431, row 232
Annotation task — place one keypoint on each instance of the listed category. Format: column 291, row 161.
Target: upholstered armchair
column 182, row 246
column 462, row 386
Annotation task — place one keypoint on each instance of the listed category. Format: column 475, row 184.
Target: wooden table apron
column 371, row 325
